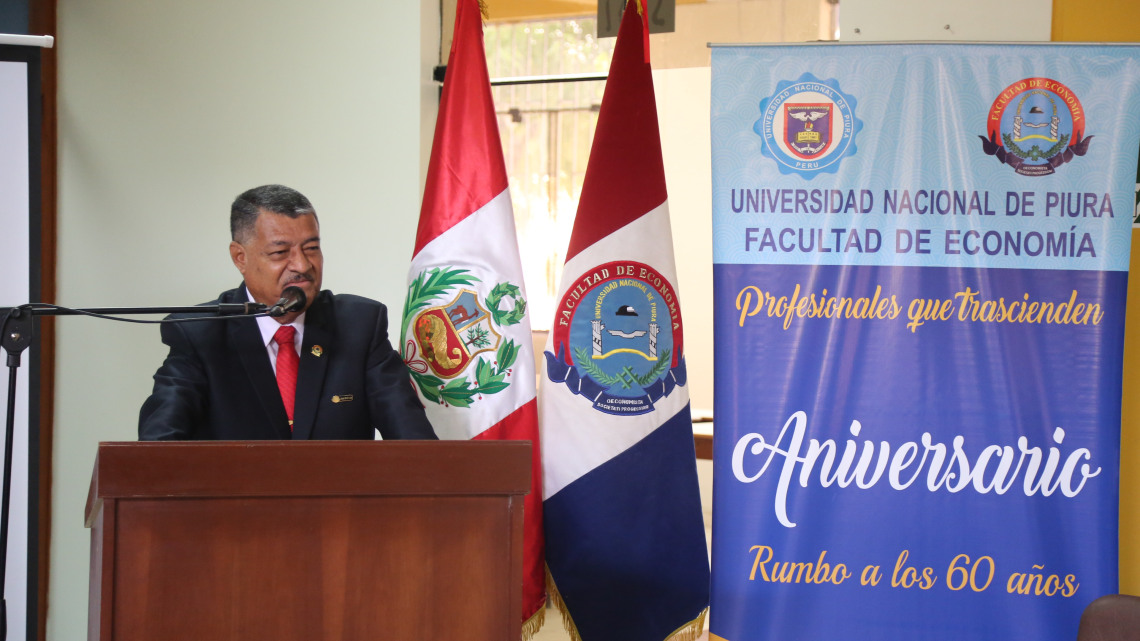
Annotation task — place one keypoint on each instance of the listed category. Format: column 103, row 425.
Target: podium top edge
column 326, row 444
column 215, row 469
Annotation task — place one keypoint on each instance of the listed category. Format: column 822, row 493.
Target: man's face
column 282, row 251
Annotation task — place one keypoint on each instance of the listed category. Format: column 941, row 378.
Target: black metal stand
column 15, row 337
column 16, row 331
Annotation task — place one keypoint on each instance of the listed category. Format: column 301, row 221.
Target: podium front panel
column 229, row 566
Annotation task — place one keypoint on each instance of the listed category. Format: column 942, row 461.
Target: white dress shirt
column 269, row 326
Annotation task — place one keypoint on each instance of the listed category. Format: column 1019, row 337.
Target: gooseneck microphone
column 292, row 299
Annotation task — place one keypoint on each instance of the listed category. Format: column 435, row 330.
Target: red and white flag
column 625, row 538
column 466, row 328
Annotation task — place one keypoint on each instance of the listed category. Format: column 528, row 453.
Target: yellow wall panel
column 1130, row 434
column 1116, row 21
column 1096, row 21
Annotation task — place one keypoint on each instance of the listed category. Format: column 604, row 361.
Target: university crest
column 1036, row 125
column 617, row 334
column 453, row 343
column 808, row 126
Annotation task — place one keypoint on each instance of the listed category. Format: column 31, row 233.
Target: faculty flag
column 466, row 332
column 626, row 547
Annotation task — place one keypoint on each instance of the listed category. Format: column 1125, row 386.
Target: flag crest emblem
column 618, row 339
column 443, row 342
column 450, row 335
column 1036, row 125
column 808, row 126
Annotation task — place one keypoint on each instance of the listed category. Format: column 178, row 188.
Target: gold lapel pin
column 317, row 351
column 342, row 398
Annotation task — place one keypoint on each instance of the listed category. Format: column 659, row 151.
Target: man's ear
column 237, row 254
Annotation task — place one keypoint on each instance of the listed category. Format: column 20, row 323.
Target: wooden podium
column 306, row 541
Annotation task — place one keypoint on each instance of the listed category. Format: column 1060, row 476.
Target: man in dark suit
column 326, row 371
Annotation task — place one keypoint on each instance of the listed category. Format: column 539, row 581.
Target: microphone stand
column 16, row 330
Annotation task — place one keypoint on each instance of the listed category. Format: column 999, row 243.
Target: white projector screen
column 20, row 265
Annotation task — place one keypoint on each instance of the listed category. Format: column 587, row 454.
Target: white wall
column 977, row 20
column 683, row 116
column 167, row 110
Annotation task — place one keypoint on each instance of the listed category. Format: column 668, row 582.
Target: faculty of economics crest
column 617, row 334
column 453, row 344
column 808, row 126
column 1036, row 125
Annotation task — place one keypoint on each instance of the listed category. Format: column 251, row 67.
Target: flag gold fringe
column 532, row 625
column 556, row 600
column 690, row 631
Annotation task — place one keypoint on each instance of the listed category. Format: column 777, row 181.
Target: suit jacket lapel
column 319, row 342
column 245, row 339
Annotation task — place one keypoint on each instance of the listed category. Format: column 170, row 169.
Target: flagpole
column 439, row 74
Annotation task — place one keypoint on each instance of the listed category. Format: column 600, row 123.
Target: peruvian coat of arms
column 453, row 341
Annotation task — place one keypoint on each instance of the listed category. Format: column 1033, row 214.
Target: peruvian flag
column 466, row 331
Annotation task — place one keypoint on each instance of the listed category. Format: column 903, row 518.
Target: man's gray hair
column 277, row 199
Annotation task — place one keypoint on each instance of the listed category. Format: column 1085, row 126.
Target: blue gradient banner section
column 1024, row 410
column 920, row 269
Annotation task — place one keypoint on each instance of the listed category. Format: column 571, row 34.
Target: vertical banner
column 921, row 258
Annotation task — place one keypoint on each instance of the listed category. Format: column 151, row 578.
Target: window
column 547, row 129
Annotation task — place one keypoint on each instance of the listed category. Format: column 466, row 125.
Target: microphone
column 292, row 299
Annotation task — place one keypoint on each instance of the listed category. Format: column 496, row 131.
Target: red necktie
column 286, row 368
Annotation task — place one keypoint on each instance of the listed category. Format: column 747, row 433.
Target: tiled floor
column 552, row 629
